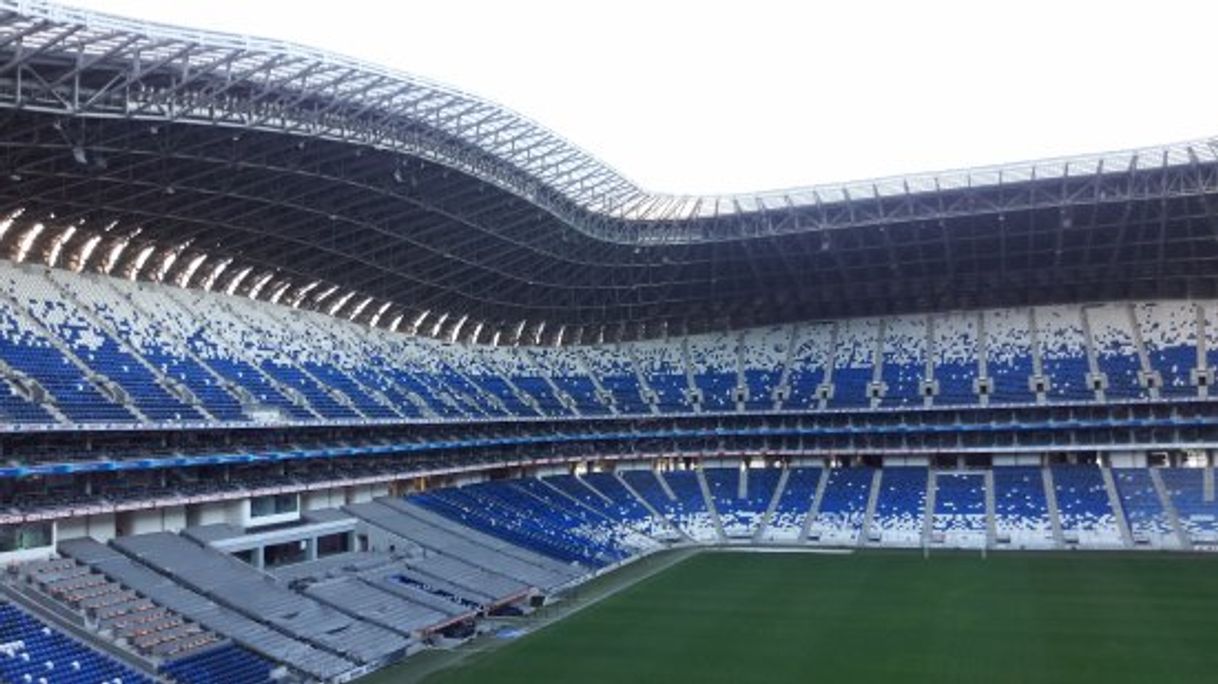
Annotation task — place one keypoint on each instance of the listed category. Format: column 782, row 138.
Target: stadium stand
column 900, row 507
column 741, row 515
column 1144, row 512
column 688, row 514
column 763, row 360
column 223, row 665
column 903, row 361
column 622, row 505
column 1063, row 352
column 809, row 360
column 854, row 363
column 1117, row 354
column 793, row 506
column 959, row 515
column 516, row 568
column 507, row 369
column 1084, row 505
column 843, row 505
column 1169, row 331
column 124, row 352
column 241, row 588
column 689, row 507
column 1008, row 349
column 955, row 358
column 1198, row 515
column 31, row 651
column 508, row 511
column 153, row 630
column 1021, row 510
column 712, row 363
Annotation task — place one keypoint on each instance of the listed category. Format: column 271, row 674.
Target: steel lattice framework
column 280, row 172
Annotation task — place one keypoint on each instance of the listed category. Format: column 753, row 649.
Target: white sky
column 705, row 97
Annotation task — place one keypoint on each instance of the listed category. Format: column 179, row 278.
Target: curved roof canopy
column 285, row 173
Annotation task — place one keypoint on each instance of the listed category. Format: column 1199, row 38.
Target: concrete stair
column 1118, row 510
column 105, row 386
column 769, row 511
column 375, row 394
column 291, row 393
column 991, row 526
column 651, row 509
column 649, row 395
column 814, row 509
column 710, row 504
column 606, row 395
column 1055, row 518
column 928, row 514
column 1169, row 507
column 872, row 498
column 176, row 389
column 593, row 489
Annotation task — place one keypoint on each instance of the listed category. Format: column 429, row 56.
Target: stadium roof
column 285, row 173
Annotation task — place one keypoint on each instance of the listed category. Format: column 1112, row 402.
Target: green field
column 882, row 617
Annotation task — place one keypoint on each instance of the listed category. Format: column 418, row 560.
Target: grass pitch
column 882, row 617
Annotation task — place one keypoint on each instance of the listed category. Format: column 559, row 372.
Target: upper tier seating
column 854, row 363
column 809, row 359
column 1169, row 331
column 904, row 361
column 1008, row 352
column 663, row 370
column 1063, row 353
column 68, row 322
column 763, row 359
column 956, row 345
column 617, row 377
column 83, row 348
column 1116, row 350
column 26, row 349
column 567, row 373
column 712, row 361
column 117, row 302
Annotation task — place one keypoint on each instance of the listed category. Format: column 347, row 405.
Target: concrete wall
column 1127, row 459
column 915, row 461
column 1001, row 460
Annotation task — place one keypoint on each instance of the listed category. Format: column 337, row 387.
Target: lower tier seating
column 31, row 651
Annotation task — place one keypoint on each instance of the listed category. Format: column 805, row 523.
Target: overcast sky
column 706, row 97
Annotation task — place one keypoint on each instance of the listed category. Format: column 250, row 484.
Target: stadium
column 314, row 371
